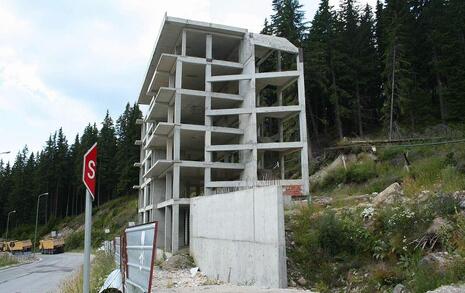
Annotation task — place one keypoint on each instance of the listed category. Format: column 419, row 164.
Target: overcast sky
column 64, row 63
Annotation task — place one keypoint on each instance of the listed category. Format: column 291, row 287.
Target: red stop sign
column 89, row 172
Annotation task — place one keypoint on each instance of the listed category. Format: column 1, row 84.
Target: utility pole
column 37, row 220
column 8, row 223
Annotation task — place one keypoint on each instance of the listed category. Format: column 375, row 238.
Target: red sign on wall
column 293, row 190
column 89, row 172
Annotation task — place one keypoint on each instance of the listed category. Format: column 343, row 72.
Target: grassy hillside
column 349, row 240
column 113, row 215
column 433, row 168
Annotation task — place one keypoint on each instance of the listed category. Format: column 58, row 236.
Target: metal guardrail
column 138, row 256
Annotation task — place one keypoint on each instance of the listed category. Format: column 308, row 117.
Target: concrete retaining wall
column 238, row 237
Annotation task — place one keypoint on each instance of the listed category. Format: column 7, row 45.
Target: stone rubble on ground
column 177, row 278
column 183, row 281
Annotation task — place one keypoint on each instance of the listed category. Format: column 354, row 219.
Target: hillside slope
column 375, row 224
column 113, row 215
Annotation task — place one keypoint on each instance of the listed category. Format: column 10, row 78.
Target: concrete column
column 184, row 43
column 176, row 181
column 175, row 229
column 177, row 143
column 177, row 98
column 169, row 186
column 303, row 123
column 168, row 230
column 208, row 119
column 248, row 122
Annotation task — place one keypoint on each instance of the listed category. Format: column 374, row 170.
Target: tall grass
column 102, row 266
column 6, row 260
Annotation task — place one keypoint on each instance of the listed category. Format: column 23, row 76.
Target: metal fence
column 135, row 253
column 117, row 250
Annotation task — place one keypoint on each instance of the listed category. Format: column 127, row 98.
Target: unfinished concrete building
column 225, row 110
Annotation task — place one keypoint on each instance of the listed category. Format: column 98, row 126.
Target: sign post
column 89, row 178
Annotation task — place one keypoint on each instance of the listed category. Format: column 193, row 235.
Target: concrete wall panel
column 238, row 237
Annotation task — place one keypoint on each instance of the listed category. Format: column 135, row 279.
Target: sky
column 65, row 63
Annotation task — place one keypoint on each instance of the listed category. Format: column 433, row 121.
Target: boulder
column 336, row 164
column 301, row 281
column 449, row 289
column 460, row 197
column 392, row 194
column 439, row 260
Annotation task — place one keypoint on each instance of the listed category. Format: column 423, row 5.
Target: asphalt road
column 41, row 276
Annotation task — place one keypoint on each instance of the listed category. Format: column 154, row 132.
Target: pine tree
column 288, row 21
column 397, row 74
column 127, row 152
column 107, row 177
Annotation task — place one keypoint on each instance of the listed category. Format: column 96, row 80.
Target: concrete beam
column 232, row 77
column 219, row 184
column 223, row 112
column 279, row 146
column 229, row 147
column 170, row 202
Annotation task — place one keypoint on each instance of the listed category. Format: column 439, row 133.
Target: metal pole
column 87, row 247
column 8, row 223
column 37, row 220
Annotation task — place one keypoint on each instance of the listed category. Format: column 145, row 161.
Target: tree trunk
column 359, row 110
column 336, row 105
column 56, row 201
column 440, row 87
column 391, row 115
column 67, row 203
column 313, row 122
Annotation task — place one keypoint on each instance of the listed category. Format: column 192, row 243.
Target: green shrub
column 361, row 172
column 355, row 174
column 75, row 241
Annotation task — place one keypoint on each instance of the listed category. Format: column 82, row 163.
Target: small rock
column 399, row 288
column 424, row 195
column 194, row 271
column 292, row 283
column 439, row 224
column 301, row 281
column 322, row 200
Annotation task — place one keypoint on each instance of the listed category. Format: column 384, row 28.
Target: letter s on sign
column 91, row 173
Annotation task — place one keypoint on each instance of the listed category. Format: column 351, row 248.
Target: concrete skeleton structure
column 219, row 117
